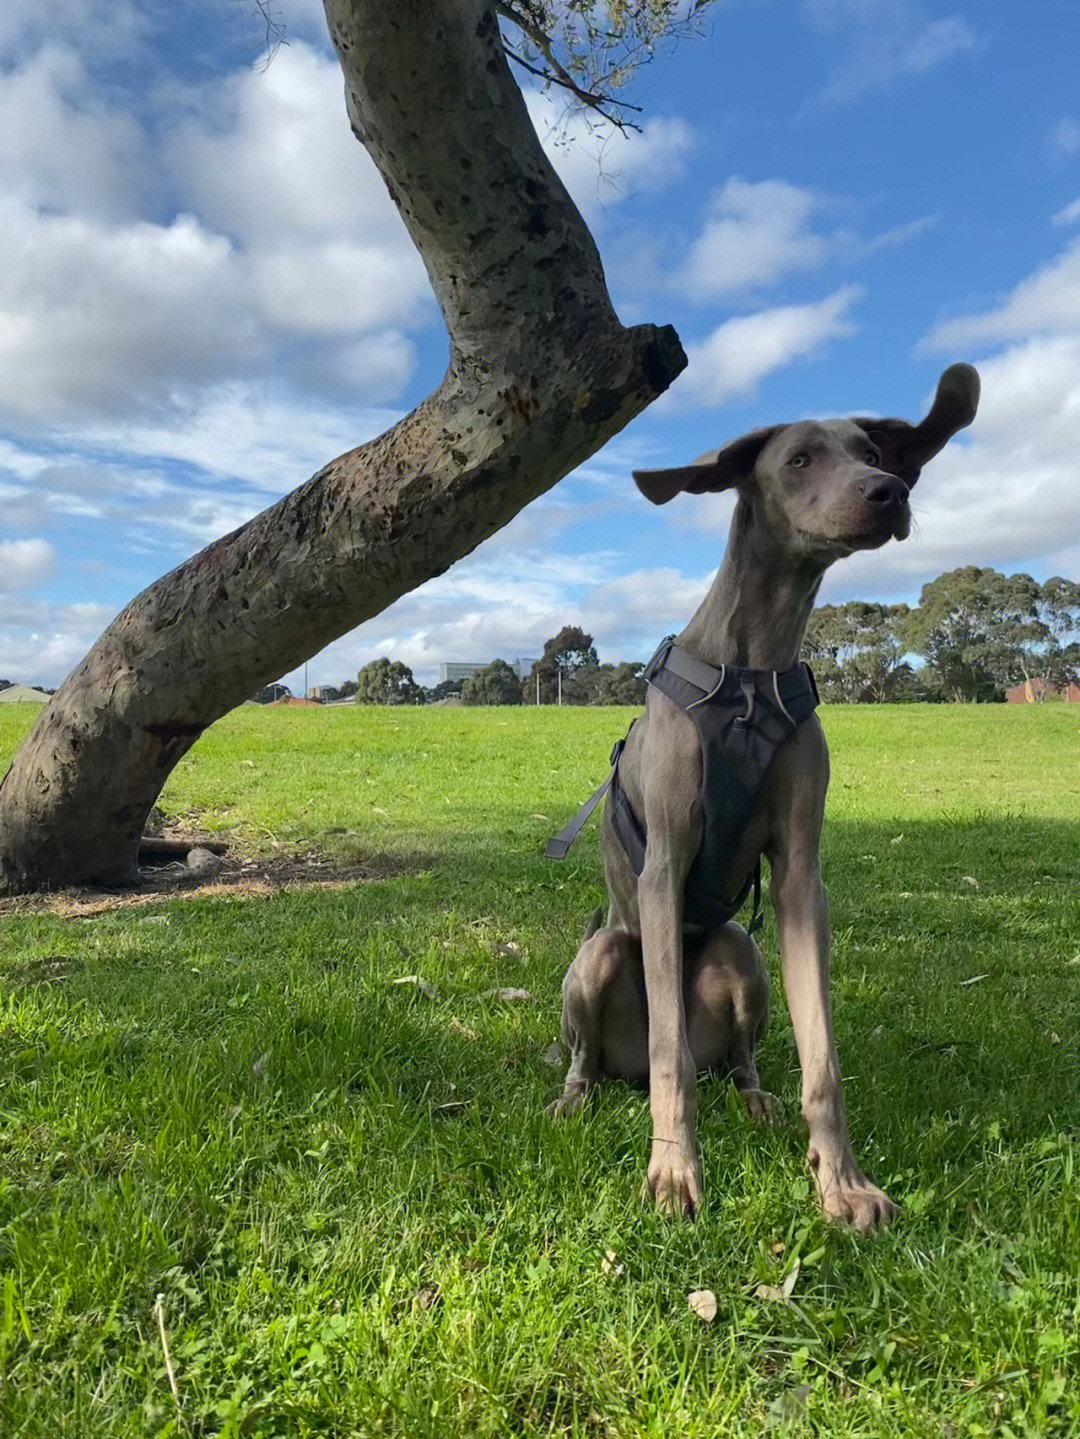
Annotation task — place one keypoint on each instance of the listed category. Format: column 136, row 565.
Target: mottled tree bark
column 541, row 373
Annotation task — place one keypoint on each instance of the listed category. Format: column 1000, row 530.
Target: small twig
column 557, row 72
column 159, row 1311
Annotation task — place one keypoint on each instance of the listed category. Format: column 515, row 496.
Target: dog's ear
column 716, row 470
column 906, row 448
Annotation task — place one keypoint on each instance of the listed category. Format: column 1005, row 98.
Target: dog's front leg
column 674, row 1175
column 803, row 933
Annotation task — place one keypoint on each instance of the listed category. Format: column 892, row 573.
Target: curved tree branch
column 541, row 373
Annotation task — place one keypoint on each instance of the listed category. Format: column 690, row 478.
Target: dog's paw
column 565, row 1105
column 846, row 1194
column 763, row 1108
column 674, row 1180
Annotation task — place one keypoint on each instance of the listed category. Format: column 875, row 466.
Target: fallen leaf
column 426, row 1297
column 426, row 988
column 1055, row 1038
column 610, row 1264
column 770, row 1292
column 376, row 809
column 906, row 894
column 702, row 1302
column 472, row 1265
column 465, row 1030
column 975, row 978
column 539, row 816
column 896, row 839
column 553, row 1055
column 877, row 1031
column 969, row 879
column 510, row 996
column 790, row 1282
column 779, row 1247
column 508, row 949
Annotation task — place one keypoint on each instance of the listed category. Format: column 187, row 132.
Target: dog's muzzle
column 888, row 495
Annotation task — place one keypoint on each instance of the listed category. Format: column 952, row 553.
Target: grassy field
column 346, row 1191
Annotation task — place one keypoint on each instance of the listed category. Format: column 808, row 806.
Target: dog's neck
column 756, row 611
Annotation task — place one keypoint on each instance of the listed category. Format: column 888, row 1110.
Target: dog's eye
column 799, row 461
column 873, row 457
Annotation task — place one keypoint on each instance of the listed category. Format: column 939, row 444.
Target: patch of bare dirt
column 165, row 874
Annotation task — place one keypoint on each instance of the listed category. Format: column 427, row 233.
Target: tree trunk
column 541, row 374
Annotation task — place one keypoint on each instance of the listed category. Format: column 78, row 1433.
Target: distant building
column 1030, row 691
column 458, row 670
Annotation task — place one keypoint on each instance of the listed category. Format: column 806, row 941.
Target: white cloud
column 101, row 28
column 338, row 287
column 879, row 42
column 602, row 166
column 41, row 642
column 254, row 435
column 61, row 147
column 755, row 233
column 1066, row 136
column 95, row 317
column 267, row 157
column 1068, row 215
column 281, row 238
column 1047, row 302
column 24, row 563
column 738, row 354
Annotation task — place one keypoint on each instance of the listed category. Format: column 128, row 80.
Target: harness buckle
column 749, row 689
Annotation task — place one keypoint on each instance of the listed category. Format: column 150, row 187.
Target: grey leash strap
column 559, row 844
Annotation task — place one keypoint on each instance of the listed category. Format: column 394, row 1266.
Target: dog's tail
column 596, row 919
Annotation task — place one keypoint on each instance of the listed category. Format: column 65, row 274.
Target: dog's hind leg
column 593, row 997
column 727, row 1013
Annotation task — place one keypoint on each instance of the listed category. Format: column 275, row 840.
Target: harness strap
column 626, row 825
column 559, row 844
column 694, row 671
column 757, row 915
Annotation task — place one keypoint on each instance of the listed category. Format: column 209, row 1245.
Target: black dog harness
column 742, row 716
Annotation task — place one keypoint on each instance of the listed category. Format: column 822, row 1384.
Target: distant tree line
column 974, row 634
column 568, row 672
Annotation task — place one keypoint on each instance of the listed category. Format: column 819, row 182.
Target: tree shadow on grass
column 956, row 976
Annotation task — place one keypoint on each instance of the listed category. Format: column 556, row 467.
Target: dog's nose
column 881, row 489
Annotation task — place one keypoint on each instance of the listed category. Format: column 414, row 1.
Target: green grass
column 361, row 1222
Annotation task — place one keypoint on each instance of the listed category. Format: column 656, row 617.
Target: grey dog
column 647, row 998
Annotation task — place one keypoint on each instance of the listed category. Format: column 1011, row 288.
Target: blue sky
column 205, row 295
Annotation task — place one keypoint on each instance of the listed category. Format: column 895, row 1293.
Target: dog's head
column 826, row 488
